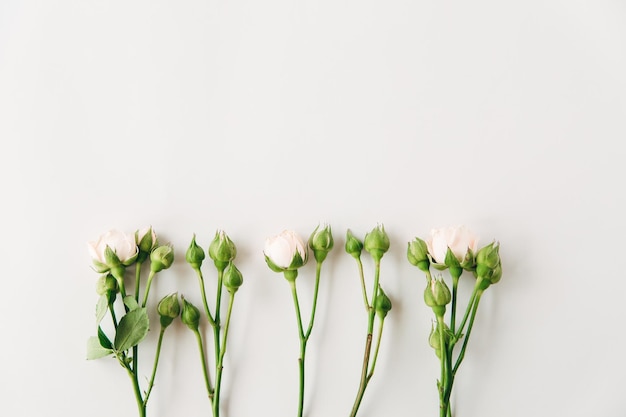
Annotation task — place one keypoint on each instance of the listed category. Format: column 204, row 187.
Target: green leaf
column 95, row 350
column 101, row 308
column 132, row 329
column 131, row 303
column 105, row 342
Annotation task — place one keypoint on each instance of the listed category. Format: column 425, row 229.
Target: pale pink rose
column 123, row 244
column 458, row 239
column 282, row 250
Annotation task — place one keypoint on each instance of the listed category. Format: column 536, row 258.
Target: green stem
column 140, row 405
column 303, row 341
column 371, row 313
column 363, row 289
column 459, row 330
column 219, row 367
column 204, row 300
column 469, row 331
column 455, row 285
column 136, row 348
column 113, row 316
column 443, row 387
column 137, row 281
column 217, row 324
column 148, row 284
column 364, row 380
column 377, row 348
column 154, row 368
column 204, row 366
column 318, row 270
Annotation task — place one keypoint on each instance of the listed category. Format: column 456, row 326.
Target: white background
column 255, row 116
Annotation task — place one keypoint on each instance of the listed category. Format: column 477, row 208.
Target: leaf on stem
column 101, row 308
column 131, row 303
column 132, row 329
column 104, row 340
column 95, row 350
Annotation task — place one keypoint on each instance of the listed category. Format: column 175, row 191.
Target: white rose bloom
column 282, row 249
column 123, row 244
column 458, row 239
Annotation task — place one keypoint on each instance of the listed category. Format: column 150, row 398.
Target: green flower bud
column 353, row 245
column 434, row 340
column 168, row 309
column 377, row 242
column 106, row 285
column 453, row 264
column 232, row 278
column 487, row 259
column 222, row 250
column 497, row 274
column 437, row 296
column 417, row 254
column 321, row 242
column 195, row 254
column 190, row 315
column 382, row 303
column 161, row 258
column 146, row 240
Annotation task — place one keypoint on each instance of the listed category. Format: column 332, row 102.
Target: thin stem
column 219, row 367
column 363, row 289
column 318, row 270
column 204, row 366
column 113, row 316
column 303, row 341
column 455, row 285
column 136, row 348
column 468, row 310
column 371, row 313
column 469, row 331
column 364, row 380
column 148, row 284
column 216, row 323
column 377, row 348
column 443, row 388
column 154, row 368
column 137, row 280
column 203, row 293
column 140, row 405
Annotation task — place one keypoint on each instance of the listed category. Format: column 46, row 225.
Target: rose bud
column 168, row 309
column 353, row 245
column 222, row 250
column 161, row 258
column 437, row 296
column 190, row 315
column 377, row 242
column 382, row 303
column 417, row 254
column 106, row 285
column 434, row 340
column 195, row 254
column 232, row 278
column 286, row 253
column 321, row 242
column 487, row 259
column 146, row 240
